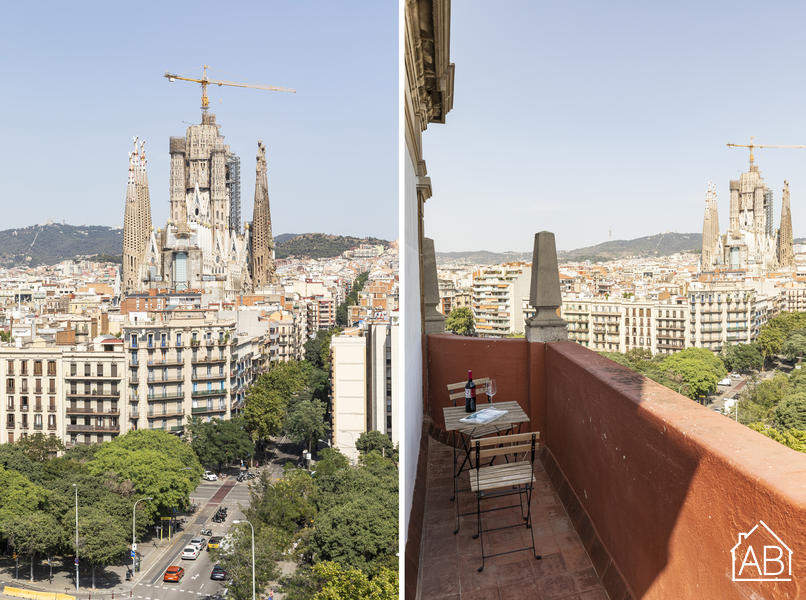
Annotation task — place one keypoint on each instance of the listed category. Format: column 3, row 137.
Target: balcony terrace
column 640, row 492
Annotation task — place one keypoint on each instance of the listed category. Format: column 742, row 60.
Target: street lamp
column 134, row 516
column 76, row 487
column 253, row 553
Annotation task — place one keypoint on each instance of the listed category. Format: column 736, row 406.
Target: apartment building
column 71, row 393
column 498, row 299
column 606, row 325
column 364, row 365
column 33, row 396
column 178, row 368
column 93, row 381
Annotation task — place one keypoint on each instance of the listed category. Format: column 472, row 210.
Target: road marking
column 195, row 576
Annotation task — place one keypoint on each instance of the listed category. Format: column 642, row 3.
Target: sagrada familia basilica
column 201, row 246
column 751, row 242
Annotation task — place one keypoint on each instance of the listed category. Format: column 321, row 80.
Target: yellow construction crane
column 204, row 81
column 751, row 145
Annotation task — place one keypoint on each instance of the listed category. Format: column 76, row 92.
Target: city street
column 210, row 495
column 157, row 556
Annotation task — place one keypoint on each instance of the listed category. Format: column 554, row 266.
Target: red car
column 173, row 573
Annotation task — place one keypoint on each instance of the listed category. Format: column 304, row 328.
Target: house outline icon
column 743, row 537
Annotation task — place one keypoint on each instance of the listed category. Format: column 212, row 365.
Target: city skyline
column 615, row 118
column 103, row 98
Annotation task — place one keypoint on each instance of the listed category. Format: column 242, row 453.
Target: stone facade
column 751, row 242
column 200, row 248
column 262, row 260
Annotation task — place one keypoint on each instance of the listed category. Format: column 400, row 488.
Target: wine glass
column 491, row 390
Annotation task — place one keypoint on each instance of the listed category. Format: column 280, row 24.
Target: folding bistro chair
column 506, row 479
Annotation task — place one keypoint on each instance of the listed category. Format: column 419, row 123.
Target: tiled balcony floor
column 449, row 562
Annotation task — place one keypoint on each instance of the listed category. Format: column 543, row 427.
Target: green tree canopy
column 156, row 463
column 460, row 321
column 306, row 423
column 795, row 345
column 236, row 558
column 699, row 370
column 742, row 357
column 102, row 538
column 375, row 440
column 338, row 582
column 791, row 412
column 220, row 442
column 40, row 447
column 32, row 534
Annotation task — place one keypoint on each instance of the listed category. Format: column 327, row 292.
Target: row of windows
column 11, row 386
column 162, row 339
column 24, row 405
column 36, row 368
column 11, row 422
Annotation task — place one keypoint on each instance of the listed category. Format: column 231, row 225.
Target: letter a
column 746, row 562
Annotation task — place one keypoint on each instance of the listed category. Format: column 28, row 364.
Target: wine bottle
column 470, row 393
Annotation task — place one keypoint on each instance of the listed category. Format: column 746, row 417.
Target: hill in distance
column 54, row 242
column 661, row 244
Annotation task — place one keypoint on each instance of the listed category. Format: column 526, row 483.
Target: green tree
column 794, row 346
column 375, row 441
column 306, row 422
column 218, row 443
column 102, row 539
column 742, row 357
column 269, row 398
column 288, row 504
column 460, row 321
column 236, row 558
column 698, row 368
column 18, row 496
column 793, row 438
column 791, row 412
column 337, row 582
column 40, row 447
column 156, row 463
column 317, row 349
column 32, row 534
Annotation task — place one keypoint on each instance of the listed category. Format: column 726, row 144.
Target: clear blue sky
column 576, row 117
column 80, row 79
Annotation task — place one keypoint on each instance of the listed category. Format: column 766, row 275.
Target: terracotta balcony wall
column 657, row 487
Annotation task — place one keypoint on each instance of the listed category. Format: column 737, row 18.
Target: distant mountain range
column 661, row 244
column 54, row 242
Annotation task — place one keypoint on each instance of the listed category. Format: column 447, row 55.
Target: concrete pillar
column 434, row 320
column 544, row 294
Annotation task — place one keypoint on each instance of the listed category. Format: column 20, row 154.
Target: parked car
column 218, row 573
column 173, row 573
column 214, row 542
column 190, row 553
column 198, row 542
column 210, row 476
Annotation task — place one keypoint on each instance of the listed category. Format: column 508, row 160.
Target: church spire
column 786, row 254
column 710, row 229
column 262, row 259
column 136, row 219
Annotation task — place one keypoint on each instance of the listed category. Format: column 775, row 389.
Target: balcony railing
column 93, row 394
column 636, row 465
column 209, row 359
column 167, row 396
column 202, row 393
column 92, row 428
column 92, row 411
column 203, row 409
